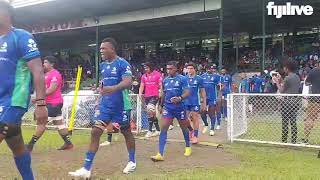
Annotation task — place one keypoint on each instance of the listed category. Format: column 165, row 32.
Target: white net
column 85, row 110
column 275, row 119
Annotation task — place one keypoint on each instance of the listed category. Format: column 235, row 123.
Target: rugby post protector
column 73, row 111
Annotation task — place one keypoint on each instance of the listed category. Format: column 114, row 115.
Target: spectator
column 313, row 108
column 290, row 104
column 258, row 83
column 244, row 86
column 270, row 86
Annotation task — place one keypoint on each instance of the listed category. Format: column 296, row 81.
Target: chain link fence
column 274, row 119
column 85, row 110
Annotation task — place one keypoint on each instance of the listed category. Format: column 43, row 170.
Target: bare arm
column 41, row 112
column 141, row 89
column 53, row 87
column 161, row 101
column 36, row 69
column 160, row 89
column 204, row 99
column 282, row 85
column 203, row 96
column 124, row 84
column 185, row 94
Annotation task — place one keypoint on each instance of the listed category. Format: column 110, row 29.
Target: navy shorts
column 11, row 115
column 193, row 108
column 54, row 110
column 180, row 114
column 211, row 103
column 120, row 117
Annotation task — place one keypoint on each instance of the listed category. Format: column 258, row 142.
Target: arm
column 53, row 87
column 186, row 90
column 124, row 84
column 35, row 66
column 309, row 78
column 141, row 89
column 282, row 87
column 308, row 81
column 161, row 98
column 204, row 99
column 160, row 89
column 185, row 94
column 41, row 112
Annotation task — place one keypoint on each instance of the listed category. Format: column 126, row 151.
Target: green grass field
column 256, row 161
column 265, row 130
column 50, row 140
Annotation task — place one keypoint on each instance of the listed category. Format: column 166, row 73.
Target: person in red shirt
column 54, row 101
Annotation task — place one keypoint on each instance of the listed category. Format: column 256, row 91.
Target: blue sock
column 196, row 132
column 162, row 141
column 132, row 155
column 23, row 164
column 186, row 137
column 204, row 119
column 89, row 160
column 219, row 118
column 213, row 121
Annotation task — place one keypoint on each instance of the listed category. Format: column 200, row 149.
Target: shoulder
column 122, row 61
column 165, row 79
column 158, row 73
column 21, row 32
column 102, row 65
column 57, row 73
column 143, row 76
column 182, row 77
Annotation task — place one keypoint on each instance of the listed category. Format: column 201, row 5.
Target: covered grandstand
column 175, row 29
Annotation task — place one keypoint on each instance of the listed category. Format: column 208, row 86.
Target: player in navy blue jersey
column 212, row 85
column 196, row 102
column 113, row 108
column 226, row 89
column 258, row 84
column 175, row 90
column 20, row 64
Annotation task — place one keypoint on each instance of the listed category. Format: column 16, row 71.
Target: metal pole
column 237, row 52
column 221, row 36
column 263, row 36
column 97, row 56
column 282, row 52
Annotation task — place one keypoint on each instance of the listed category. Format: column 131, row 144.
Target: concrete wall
column 191, row 7
column 166, row 11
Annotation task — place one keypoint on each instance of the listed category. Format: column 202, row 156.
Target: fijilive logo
column 288, row 10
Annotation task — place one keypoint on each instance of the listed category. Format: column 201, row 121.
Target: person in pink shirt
column 151, row 85
column 54, row 101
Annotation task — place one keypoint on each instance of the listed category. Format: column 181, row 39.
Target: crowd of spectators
column 249, row 61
